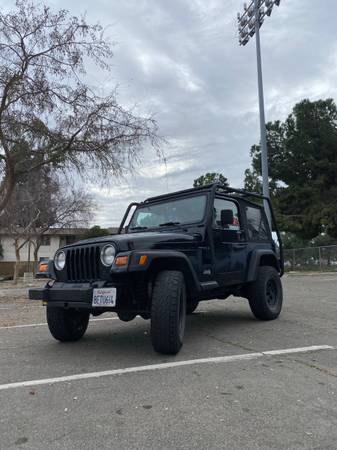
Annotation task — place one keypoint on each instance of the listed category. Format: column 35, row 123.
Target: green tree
column 291, row 240
column 96, row 231
column 302, row 169
column 322, row 240
column 209, row 178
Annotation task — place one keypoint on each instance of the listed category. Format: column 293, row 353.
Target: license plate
column 104, row 297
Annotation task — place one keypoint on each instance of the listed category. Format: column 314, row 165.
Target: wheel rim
column 271, row 293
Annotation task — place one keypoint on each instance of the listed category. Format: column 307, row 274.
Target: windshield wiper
column 166, row 224
column 138, row 228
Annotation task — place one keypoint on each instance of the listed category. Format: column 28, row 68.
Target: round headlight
column 60, row 260
column 108, row 255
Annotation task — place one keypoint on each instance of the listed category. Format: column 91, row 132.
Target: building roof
column 65, row 231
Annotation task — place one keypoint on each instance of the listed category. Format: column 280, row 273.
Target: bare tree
column 48, row 114
column 39, row 203
column 70, row 208
column 18, row 221
column 21, row 237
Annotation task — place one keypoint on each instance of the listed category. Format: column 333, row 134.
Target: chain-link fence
column 311, row 258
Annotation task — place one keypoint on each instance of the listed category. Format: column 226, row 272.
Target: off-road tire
column 126, row 316
column 67, row 325
column 191, row 306
column 168, row 312
column 265, row 294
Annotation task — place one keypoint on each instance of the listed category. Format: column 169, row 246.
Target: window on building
column 256, row 224
column 219, row 205
column 45, row 240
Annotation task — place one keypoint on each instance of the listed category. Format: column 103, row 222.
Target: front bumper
column 77, row 295
column 42, row 275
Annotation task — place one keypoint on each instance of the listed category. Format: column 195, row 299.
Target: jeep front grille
column 83, row 263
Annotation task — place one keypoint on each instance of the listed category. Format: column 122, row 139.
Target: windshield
column 172, row 212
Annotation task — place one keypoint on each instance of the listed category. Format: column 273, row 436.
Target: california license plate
column 104, row 297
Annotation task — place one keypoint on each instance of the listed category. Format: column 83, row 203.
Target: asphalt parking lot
column 223, row 391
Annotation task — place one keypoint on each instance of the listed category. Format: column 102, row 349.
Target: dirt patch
column 16, row 308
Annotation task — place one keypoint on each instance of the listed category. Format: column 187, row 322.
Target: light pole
column 250, row 23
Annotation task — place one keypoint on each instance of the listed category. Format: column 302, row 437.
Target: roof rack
column 185, row 191
column 241, row 192
column 212, row 186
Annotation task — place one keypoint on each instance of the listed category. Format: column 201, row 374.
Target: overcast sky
column 180, row 60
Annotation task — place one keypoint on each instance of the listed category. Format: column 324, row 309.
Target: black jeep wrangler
column 171, row 252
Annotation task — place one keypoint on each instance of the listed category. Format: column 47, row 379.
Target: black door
column 230, row 247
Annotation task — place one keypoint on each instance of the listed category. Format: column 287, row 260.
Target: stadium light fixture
column 250, row 22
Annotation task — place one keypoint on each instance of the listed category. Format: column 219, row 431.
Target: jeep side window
column 221, row 205
column 256, row 224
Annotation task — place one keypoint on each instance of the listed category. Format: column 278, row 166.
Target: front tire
column 67, row 325
column 265, row 294
column 168, row 312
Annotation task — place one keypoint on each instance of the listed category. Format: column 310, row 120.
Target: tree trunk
column 37, row 246
column 17, row 262
column 7, row 185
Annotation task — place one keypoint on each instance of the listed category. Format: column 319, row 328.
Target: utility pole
column 250, row 23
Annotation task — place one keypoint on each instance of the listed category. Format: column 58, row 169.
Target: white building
column 52, row 241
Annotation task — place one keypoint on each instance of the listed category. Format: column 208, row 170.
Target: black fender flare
column 255, row 259
column 158, row 260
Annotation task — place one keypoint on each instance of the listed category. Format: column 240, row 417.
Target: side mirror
column 227, row 217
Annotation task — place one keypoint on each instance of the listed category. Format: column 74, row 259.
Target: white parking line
column 162, row 366
column 43, row 324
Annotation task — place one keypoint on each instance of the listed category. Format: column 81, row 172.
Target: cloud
column 181, row 61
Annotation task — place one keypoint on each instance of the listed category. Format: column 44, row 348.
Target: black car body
column 218, row 245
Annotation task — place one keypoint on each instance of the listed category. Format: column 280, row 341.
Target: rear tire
column 191, row 306
column 168, row 312
column 265, row 294
column 67, row 325
column 126, row 316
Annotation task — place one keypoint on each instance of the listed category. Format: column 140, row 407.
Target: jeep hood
column 143, row 240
